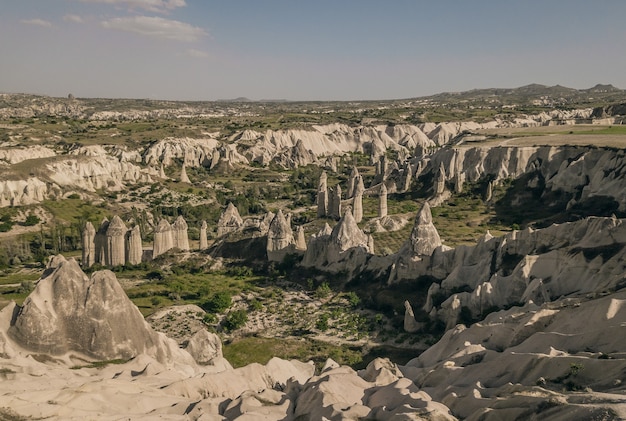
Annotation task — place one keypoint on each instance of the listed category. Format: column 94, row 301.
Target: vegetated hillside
column 354, row 231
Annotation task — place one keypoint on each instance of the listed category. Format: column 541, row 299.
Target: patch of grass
column 249, row 350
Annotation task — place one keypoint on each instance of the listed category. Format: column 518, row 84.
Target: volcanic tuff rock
column 134, row 249
column 345, row 247
column 194, row 152
column 69, row 312
column 229, row 221
column 280, row 240
column 586, row 256
column 322, row 196
column 424, row 236
column 22, row 192
column 517, row 363
column 89, row 245
column 16, row 155
column 180, row 238
column 203, row 236
column 115, row 246
column 578, row 171
column 163, row 238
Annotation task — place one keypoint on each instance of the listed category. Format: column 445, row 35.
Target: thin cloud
column 197, row 53
column 150, row 5
column 37, row 22
column 156, row 27
column 73, row 18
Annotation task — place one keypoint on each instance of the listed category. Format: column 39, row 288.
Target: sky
column 306, row 50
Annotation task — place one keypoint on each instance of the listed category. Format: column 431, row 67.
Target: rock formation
column 407, row 177
column 89, row 245
column 489, row 192
column 410, row 324
column 204, row 243
column 357, row 204
column 322, row 196
column 115, row 242
column 69, row 312
column 102, row 253
column 334, row 208
column 300, row 239
column 134, row 248
column 280, row 240
column 184, row 178
column 352, row 181
column 440, row 181
column 382, row 201
column 424, row 236
column 229, row 221
column 163, row 238
column 345, row 247
column 180, row 238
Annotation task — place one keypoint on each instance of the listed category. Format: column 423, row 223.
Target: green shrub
column 235, row 319
column 323, row 291
column 218, row 302
column 322, row 322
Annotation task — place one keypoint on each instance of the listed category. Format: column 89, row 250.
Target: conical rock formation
column 280, row 241
column 424, row 237
column 69, row 312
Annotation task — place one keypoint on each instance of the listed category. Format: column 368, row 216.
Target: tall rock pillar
column 382, row 201
column 357, row 206
column 134, row 249
column 204, row 243
column 89, row 245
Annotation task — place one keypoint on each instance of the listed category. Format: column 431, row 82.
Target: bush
column 31, row 220
column 322, row 291
column 322, row 322
column 235, row 319
column 218, row 302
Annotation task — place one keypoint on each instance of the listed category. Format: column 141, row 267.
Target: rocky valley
column 449, row 257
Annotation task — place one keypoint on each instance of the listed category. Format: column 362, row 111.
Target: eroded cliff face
column 583, row 173
column 586, row 256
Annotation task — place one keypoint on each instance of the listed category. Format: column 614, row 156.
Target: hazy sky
column 306, row 50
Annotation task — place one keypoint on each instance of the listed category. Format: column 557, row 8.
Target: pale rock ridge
column 69, row 312
column 204, row 243
column 134, row 248
column 528, row 351
column 576, row 257
column 22, row 192
column 194, row 152
column 92, row 173
column 180, row 238
column 17, row 155
column 229, row 221
column 89, row 245
column 163, row 238
column 578, row 171
column 280, row 240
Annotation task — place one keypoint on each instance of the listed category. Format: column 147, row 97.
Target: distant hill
column 534, row 94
